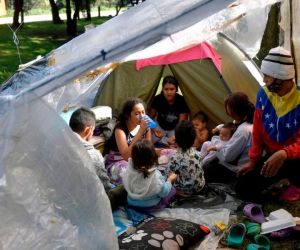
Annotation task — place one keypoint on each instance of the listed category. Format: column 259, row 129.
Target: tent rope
column 16, row 39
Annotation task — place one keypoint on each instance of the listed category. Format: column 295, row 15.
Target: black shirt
column 168, row 115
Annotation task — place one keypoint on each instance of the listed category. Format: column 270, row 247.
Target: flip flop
column 253, row 228
column 262, row 241
column 282, row 234
column 290, row 194
column 254, row 213
column 255, row 247
column 236, row 235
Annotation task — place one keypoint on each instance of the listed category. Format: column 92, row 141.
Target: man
column 275, row 149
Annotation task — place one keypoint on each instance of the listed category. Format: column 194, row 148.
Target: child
column 199, row 121
column 186, row 161
column 146, row 187
column 82, row 122
column 209, row 148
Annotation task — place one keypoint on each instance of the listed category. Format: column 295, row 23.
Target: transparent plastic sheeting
column 47, row 74
column 244, row 22
column 50, row 195
column 118, row 38
column 78, row 93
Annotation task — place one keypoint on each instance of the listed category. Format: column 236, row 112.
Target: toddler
column 145, row 185
column 199, row 121
column 217, row 142
column 186, row 161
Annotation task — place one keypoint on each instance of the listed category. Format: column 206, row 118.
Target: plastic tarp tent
column 198, row 72
column 50, row 196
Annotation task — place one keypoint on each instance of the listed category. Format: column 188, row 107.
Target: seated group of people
column 262, row 145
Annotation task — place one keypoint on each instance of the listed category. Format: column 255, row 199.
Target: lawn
column 36, row 38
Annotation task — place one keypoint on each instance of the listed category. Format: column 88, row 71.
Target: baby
column 199, row 121
column 209, row 148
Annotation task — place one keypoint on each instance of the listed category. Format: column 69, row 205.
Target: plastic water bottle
column 150, row 123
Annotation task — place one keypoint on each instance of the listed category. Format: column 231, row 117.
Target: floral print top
column 187, row 165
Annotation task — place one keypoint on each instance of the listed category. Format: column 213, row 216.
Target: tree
column 55, row 12
column 270, row 37
column 88, row 10
column 77, row 6
column 18, row 9
column 71, row 23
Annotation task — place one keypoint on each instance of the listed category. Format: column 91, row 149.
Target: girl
column 169, row 108
column 129, row 130
column 186, row 161
column 145, row 186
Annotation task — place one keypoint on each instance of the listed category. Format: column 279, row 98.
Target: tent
column 198, row 69
column 50, row 197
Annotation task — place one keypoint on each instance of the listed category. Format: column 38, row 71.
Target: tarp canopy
column 50, row 196
column 203, row 82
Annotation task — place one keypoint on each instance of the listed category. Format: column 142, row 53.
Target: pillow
column 163, row 233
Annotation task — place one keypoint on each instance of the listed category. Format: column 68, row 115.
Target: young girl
column 186, row 161
column 145, row 185
column 169, row 108
column 199, row 121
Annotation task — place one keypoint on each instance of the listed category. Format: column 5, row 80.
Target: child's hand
column 172, row 177
column 158, row 133
column 212, row 148
column 216, row 130
column 172, row 140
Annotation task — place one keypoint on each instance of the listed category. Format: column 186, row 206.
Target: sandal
column 262, row 241
column 254, row 213
column 282, row 234
column 255, row 247
column 290, row 194
column 252, row 228
column 236, row 235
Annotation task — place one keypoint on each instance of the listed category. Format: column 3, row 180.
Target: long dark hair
column 143, row 156
column 127, row 109
column 239, row 104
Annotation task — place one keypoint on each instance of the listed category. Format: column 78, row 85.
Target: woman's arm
column 124, row 148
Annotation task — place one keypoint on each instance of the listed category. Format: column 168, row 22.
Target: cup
column 150, row 123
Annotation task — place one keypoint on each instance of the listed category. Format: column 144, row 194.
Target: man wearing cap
column 275, row 150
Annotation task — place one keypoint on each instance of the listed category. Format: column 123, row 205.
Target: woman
column 169, row 108
column 129, row 129
column 235, row 153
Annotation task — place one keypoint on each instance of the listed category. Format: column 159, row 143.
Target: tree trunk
column 88, row 10
column 71, row 24
column 18, row 8
column 55, row 13
column 119, row 6
column 270, row 38
column 77, row 4
column 99, row 9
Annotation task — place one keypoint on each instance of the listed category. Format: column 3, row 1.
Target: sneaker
column 290, row 194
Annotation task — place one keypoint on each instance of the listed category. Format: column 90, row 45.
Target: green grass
column 37, row 38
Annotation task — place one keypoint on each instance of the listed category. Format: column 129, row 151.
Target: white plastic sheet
column 50, row 197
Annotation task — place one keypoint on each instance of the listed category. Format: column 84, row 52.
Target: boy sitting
column 83, row 122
